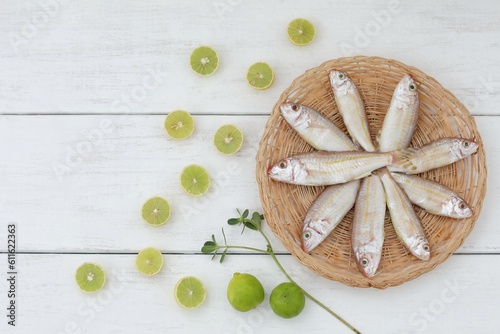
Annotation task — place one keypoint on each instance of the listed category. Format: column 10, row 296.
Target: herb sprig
column 255, row 223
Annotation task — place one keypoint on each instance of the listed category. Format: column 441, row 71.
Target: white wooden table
column 84, row 90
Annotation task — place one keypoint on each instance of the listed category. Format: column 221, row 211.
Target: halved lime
column 90, row 277
column 301, row 32
column 179, row 124
column 228, row 139
column 195, row 180
column 204, row 60
column 156, row 211
column 190, row 292
column 149, row 261
column 260, row 76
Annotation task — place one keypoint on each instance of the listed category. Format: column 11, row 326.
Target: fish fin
column 401, row 160
column 405, row 154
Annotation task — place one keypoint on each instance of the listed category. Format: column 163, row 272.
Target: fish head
column 283, row 170
column 458, row 208
column 462, row 147
column 339, row 80
column 407, row 89
column 367, row 262
column 294, row 113
column 313, row 233
column 420, row 248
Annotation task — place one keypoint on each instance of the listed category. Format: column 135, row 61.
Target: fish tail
column 402, row 159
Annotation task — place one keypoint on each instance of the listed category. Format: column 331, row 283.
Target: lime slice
column 179, row 124
column 228, row 139
column 301, row 32
column 260, row 76
column 195, row 180
column 204, row 60
column 149, row 261
column 190, row 292
column 90, row 277
column 156, row 211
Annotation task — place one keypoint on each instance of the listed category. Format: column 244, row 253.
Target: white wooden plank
column 94, row 205
column 443, row 301
column 91, row 56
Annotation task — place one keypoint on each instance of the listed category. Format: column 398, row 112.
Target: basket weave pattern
column 441, row 115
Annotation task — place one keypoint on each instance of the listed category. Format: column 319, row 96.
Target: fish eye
column 426, row 247
column 412, row 87
column 294, row 107
column 466, row 143
column 364, row 262
column 462, row 206
column 341, row 76
column 307, row 235
column 282, row 164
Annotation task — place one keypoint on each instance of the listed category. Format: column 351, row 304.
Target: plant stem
column 246, row 248
column 327, row 309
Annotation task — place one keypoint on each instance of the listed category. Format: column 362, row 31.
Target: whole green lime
column 287, row 300
column 245, row 292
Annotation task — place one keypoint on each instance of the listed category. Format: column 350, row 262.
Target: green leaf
column 234, row 221
column 215, row 254
column 245, row 214
column 209, row 247
column 251, row 224
column 256, row 219
column 223, row 255
column 213, row 238
column 261, row 217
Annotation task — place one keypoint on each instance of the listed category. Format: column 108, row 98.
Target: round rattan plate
column 441, row 115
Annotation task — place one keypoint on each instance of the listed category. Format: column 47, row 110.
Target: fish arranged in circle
column 370, row 176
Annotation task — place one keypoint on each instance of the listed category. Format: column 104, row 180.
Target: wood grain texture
column 132, row 303
column 98, row 77
column 94, row 204
column 95, row 57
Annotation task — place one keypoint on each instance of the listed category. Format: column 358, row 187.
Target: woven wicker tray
column 441, row 115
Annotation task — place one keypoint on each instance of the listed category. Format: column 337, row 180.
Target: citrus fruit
column 195, row 180
column 228, row 139
column 156, row 211
column 287, row 300
column 179, row 124
column 149, row 261
column 189, row 292
column 204, row 60
column 90, row 277
column 301, row 32
column 260, row 76
column 244, row 292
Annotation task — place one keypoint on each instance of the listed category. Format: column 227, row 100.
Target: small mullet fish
column 433, row 197
column 327, row 212
column 436, row 154
column 404, row 219
column 317, row 130
column 352, row 109
column 368, row 225
column 321, row 168
column 400, row 121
